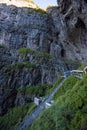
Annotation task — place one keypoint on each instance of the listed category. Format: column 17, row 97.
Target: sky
column 45, row 3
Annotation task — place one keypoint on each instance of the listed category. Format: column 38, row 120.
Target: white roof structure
column 85, row 68
column 77, row 71
column 49, row 104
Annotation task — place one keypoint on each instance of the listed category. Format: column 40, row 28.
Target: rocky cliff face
column 25, row 28
column 25, row 38
column 73, row 16
column 37, row 46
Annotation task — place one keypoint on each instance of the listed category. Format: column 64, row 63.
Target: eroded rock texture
column 56, row 40
column 73, row 38
column 22, row 28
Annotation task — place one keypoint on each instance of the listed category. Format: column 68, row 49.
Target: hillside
column 37, row 47
column 69, row 111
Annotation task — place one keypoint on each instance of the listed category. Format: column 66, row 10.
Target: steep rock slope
column 72, row 36
column 70, row 28
column 25, row 37
column 34, row 29
column 55, row 39
column 24, row 27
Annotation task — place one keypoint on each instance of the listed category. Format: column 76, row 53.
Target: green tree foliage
column 69, row 111
column 68, row 84
column 14, row 116
column 39, row 90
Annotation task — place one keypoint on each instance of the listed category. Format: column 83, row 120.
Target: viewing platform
column 76, row 73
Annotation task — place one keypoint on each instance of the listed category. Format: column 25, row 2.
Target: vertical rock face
column 61, row 32
column 7, row 99
column 27, row 28
column 37, row 46
column 55, row 47
column 24, row 27
column 73, row 16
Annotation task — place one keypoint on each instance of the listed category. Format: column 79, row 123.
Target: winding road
column 29, row 119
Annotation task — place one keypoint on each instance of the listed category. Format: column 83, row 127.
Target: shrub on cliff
column 25, row 51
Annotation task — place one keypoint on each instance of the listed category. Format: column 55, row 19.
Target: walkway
column 29, row 119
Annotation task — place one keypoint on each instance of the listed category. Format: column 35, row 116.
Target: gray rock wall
column 24, row 27
column 56, row 38
column 72, row 36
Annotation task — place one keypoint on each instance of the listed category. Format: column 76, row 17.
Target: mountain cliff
column 37, row 46
column 70, row 20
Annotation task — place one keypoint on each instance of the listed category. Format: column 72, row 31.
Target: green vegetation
column 82, row 67
column 53, row 7
column 73, row 63
column 25, row 51
column 38, row 11
column 20, row 65
column 39, row 56
column 55, row 85
column 58, row 82
column 43, row 54
column 14, row 116
column 36, row 90
column 69, row 111
column 42, row 57
column 39, row 90
column 67, row 85
column 1, row 46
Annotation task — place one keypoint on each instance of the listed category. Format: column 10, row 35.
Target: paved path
column 29, row 119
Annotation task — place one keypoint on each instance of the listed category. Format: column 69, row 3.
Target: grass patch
column 26, row 51
column 69, row 111
column 54, row 86
column 15, row 116
column 58, row 82
column 67, row 85
column 39, row 56
column 42, row 57
column 82, row 67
